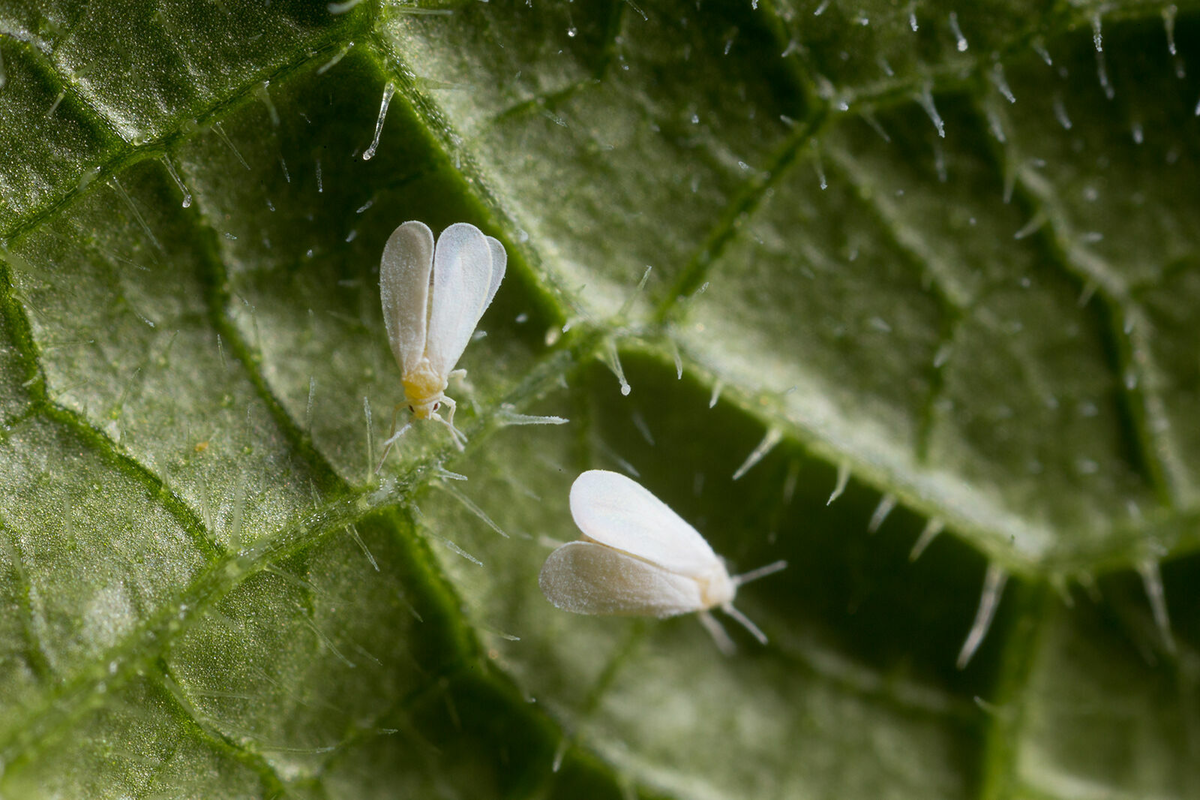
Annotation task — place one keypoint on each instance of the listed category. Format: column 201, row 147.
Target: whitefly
column 433, row 297
column 639, row 558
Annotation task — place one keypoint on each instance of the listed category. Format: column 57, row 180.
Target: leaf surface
column 938, row 261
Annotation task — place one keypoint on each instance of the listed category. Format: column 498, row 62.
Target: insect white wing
column 404, row 288
column 640, row 558
column 462, row 281
column 499, row 264
column 618, row 512
column 588, row 578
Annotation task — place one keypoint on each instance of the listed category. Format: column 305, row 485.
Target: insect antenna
column 761, row 572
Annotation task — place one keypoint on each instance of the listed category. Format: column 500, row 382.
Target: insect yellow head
column 424, row 410
column 424, row 389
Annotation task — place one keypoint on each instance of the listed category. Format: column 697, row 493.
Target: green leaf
column 938, row 261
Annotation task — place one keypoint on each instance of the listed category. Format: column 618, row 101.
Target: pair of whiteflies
column 637, row 557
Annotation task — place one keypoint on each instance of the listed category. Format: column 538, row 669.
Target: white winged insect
column 638, row 558
column 433, row 298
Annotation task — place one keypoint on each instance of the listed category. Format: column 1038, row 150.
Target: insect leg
column 724, row 643
column 450, row 420
column 745, row 622
column 459, row 438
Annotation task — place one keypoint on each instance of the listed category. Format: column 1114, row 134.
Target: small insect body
column 433, row 297
column 637, row 557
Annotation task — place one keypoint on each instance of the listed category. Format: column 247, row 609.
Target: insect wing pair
column 433, row 297
column 637, row 557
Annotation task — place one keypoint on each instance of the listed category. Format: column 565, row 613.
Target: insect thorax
column 717, row 588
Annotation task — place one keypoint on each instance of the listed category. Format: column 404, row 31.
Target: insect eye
column 412, row 410
column 436, row 406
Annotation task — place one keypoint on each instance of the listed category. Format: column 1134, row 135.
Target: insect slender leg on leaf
column 745, row 622
column 465, row 383
column 717, row 632
column 459, row 437
column 741, row 580
column 449, row 401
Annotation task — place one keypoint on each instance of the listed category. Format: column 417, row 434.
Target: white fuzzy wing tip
column 589, row 578
column 404, row 273
column 619, row 512
column 462, row 286
column 499, row 267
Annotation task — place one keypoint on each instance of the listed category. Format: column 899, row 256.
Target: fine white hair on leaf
column 989, row 599
column 613, row 360
column 115, row 182
column 1058, row 582
column 618, row 460
column 638, row 558
column 187, row 195
column 308, row 411
column 789, row 483
column 960, row 40
column 239, row 510
column 718, row 385
column 931, row 531
column 442, row 472
column 1168, row 15
column 370, row 434
column 772, row 437
column 677, row 357
column 470, row 505
column 843, row 477
column 388, row 91
column 1153, row 583
column 508, row 415
column 329, row 643
column 643, row 428
column 560, row 752
column 224, row 137
column 263, row 93
column 453, row 548
column 338, row 56
column 353, row 531
column 886, row 504
column 925, row 99
column 633, row 296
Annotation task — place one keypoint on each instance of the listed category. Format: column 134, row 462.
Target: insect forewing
column 589, row 578
column 616, row 511
column 462, row 277
column 404, row 287
column 499, row 263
